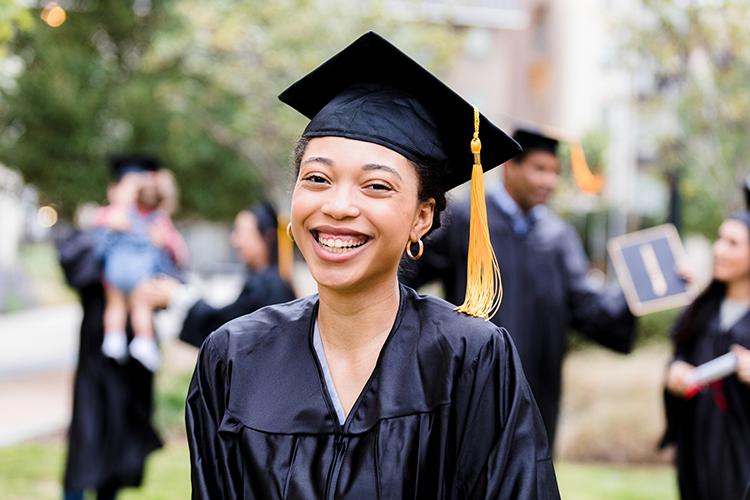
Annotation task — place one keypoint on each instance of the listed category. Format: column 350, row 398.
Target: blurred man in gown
column 543, row 268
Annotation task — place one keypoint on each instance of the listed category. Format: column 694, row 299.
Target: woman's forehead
column 734, row 227
column 341, row 151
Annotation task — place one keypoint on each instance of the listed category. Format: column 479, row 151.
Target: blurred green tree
column 697, row 53
column 194, row 82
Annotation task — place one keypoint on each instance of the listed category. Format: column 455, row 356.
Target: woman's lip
column 336, row 256
column 338, row 231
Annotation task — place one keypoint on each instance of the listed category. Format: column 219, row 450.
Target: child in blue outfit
column 138, row 242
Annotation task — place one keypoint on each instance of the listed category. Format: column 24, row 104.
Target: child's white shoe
column 115, row 346
column 145, row 350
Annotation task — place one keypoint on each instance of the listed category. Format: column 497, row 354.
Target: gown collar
column 520, row 222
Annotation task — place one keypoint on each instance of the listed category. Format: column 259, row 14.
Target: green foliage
column 14, row 17
column 194, row 82
column 656, row 327
column 595, row 143
column 699, row 54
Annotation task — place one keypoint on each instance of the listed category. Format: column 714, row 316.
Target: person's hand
column 118, row 219
column 158, row 291
column 158, row 235
column 743, row 363
column 677, row 377
column 685, row 268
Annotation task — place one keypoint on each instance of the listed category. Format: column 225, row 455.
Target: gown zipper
column 339, row 450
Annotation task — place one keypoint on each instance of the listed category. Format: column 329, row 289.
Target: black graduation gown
column 261, row 289
column 110, row 433
column 713, row 447
column 545, row 293
column 446, row 413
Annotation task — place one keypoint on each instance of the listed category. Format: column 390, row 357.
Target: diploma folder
column 645, row 265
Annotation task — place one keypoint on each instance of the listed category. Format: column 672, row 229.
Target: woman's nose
column 341, row 204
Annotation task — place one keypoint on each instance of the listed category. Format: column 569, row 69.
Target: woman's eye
column 379, row 187
column 315, row 178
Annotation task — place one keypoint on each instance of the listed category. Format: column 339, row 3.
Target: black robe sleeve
column 206, row 404
column 501, row 431
column 602, row 316
column 259, row 290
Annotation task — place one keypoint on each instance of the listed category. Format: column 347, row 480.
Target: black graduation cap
column 371, row 91
column 531, row 140
column 126, row 163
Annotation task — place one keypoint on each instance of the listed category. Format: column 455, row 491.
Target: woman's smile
column 339, row 240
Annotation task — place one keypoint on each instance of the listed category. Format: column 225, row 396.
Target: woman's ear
column 422, row 219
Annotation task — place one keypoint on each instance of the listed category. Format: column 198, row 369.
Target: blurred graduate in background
column 543, row 268
column 255, row 237
column 711, row 428
column 110, row 433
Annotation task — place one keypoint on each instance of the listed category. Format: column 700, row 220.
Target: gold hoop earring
column 289, row 232
column 408, row 249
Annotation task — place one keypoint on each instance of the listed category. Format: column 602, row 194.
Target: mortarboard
column 531, row 140
column 126, row 163
column 371, row 91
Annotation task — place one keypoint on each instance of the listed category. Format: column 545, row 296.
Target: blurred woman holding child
column 710, row 422
column 110, row 433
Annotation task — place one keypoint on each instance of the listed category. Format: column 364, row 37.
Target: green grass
column 610, row 482
column 33, row 471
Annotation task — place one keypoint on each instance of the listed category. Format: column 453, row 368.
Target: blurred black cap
column 126, row 163
column 530, row 141
column 373, row 92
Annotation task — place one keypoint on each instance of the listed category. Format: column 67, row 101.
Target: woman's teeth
column 337, row 245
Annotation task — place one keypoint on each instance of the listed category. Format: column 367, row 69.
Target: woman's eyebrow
column 318, row 159
column 377, row 166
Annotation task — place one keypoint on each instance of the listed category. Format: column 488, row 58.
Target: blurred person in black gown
column 255, row 238
column 110, row 433
column 543, row 268
column 367, row 389
column 712, row 428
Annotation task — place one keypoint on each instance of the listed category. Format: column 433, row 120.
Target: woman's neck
column 738, row 289
column 352, row 321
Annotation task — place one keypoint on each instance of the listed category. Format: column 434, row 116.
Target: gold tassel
column 484, row 289
column 588, row 182
column 286, row 251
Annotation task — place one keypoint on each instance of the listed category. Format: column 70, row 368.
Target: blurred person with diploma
column 710, row 421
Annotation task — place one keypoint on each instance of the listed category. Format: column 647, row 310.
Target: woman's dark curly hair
column 429, row 182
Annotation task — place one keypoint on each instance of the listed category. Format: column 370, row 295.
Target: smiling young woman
column 368, row 390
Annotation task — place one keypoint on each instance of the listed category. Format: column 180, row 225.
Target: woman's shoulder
column 251, row 330
column 439, row 320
